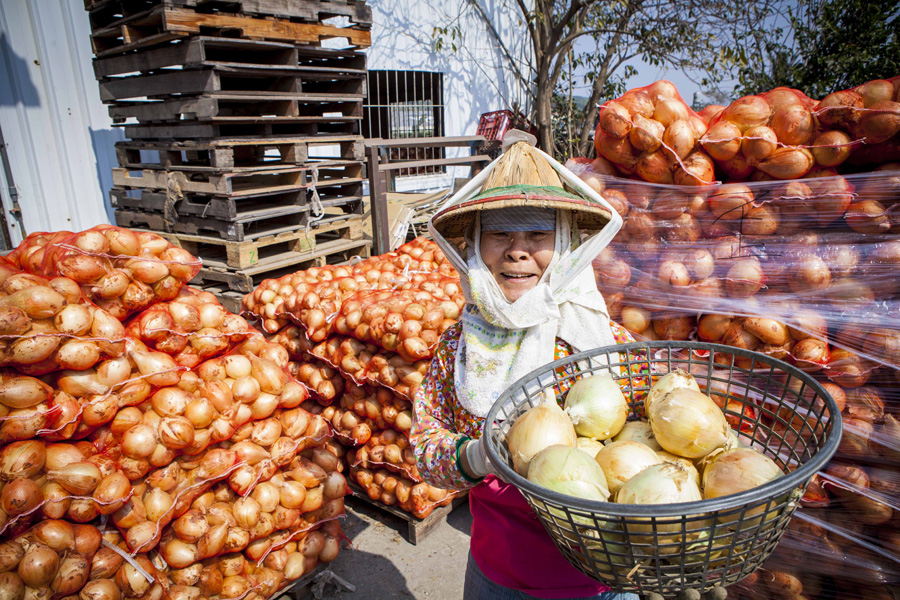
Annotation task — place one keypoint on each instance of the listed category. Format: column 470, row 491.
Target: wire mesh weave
column 778, row 410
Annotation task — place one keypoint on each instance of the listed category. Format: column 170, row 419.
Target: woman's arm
column 437, row 434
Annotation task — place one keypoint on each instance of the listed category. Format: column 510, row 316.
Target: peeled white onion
column 688, row 423
column 540, row 427
column 623, row 460
column 597, row 407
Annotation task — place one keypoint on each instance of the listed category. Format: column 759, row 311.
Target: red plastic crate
column 494, row 125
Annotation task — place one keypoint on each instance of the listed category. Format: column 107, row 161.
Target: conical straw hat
column 522, row 176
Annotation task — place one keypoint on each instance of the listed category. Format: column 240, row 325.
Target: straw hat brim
column 453, row 221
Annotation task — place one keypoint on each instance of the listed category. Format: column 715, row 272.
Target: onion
column 673, row 380
column 105, row 564
column 664, row 483
column 880, row 122
column 100, row 589
column 722, row 141
column 793, row 125
column 20, row 496
column 747, row 112
column 22, row 459
column 59, row 536
column 669, row 109
column 592, row 447
column 72, row 575
column 79, row 478
column 596, row 406
column 684, row 463
column 646, row 135
column 739, row 470
column 638, row 431
column 11, row 587
column 688, row 423
column 38, row 567
column 696, row 169
column 623, row 460
column 568, row 470
column 679, row 139
column 539, row 427
column 831, row 148
column 615, row 120
column 788, row 163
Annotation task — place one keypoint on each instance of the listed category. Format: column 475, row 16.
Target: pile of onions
column 166, row 493
column 380, row 406
column 120, row 270
column 323, row 381
column 597, row 407
column 52, row 481
column 650, row 132
column 350, row 427
column 419, row 499
column 285, row 557
column 347, row 354
column 45, row 325
column 539, row 427
column 300, row 495
column 206, row 406
column 191, row 328
column 265, row 446
column 395, row 372
column 54, row 557
column 388, row 449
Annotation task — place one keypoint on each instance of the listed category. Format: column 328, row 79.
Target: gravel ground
column 383, row 565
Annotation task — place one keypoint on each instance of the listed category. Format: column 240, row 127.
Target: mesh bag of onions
column 651, row 133
column 393, row 489
column 782, row 134
column 47, row 325
column 804, row 270
column 120, row 270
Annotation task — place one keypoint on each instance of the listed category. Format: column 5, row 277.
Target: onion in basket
column 739, row 470
column 540, row 427
column 638, row 431
column 688, row 423
column 597, row 407
column 678, row 378
column 569, row 471
column 623, row 460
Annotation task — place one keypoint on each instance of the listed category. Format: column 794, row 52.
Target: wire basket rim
column 767, row 491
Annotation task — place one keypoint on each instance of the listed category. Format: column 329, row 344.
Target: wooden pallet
column 230, row 53
column 233, row 154
column 164, row 23
column 104, row 13
column 189, row 130
column 249, row 82
column 269, row 249
column 246, row 280
column 234, row 184
column 227, row 298
column 417, row 529
column 258, row 224
column 215, row 208
column 241, row 108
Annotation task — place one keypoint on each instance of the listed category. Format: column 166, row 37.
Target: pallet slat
column 246, row 280
column 243, row 255
column 217, row 155
column 236, row 108
column 190, row 130
column 104, row 13
column 164, row 23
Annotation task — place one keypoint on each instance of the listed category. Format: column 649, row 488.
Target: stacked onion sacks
column 119, row 270
column 133, row 425
column 803, row 270
column 362, row 339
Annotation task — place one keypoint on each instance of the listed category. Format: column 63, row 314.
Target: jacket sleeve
column 436, row 435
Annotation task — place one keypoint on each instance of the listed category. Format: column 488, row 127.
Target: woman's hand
column 473, row 459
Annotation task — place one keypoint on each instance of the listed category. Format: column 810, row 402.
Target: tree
column 831, row 45
column 600, row 39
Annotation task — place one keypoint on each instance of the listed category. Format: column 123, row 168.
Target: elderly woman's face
column 517, row 259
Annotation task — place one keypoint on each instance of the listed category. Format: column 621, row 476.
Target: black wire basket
column 669, row 548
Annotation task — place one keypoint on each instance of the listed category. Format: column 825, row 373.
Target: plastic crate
column 494, row 125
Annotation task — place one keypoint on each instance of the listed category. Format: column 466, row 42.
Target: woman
column 531, row 298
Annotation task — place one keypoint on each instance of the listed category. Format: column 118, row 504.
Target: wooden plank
column 427, row 142
column 237, row 130
column 205, row 51
column 188, row 21
column 240, row 108
column 149, row 28
column 417, row 529
column 413, row 164
column 243, row 255
column 221, row 155
column 175, row 206
column 378, row 202
column 235, row 184
column 107, row 12
column 246, row 280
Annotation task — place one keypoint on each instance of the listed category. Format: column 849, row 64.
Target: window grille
column 406, row 104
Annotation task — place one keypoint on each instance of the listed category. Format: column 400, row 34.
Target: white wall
column 58, row 134
column 476, row 78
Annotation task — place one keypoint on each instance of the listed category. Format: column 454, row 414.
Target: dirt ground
column 383, row 565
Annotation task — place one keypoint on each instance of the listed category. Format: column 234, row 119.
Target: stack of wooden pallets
column 243, row 132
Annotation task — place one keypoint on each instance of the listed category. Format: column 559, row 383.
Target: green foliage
column 837, row 44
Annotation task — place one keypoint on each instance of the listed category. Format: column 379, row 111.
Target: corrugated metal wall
column 58, row 135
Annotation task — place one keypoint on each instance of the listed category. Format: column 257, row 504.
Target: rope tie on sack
column 315, row 202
